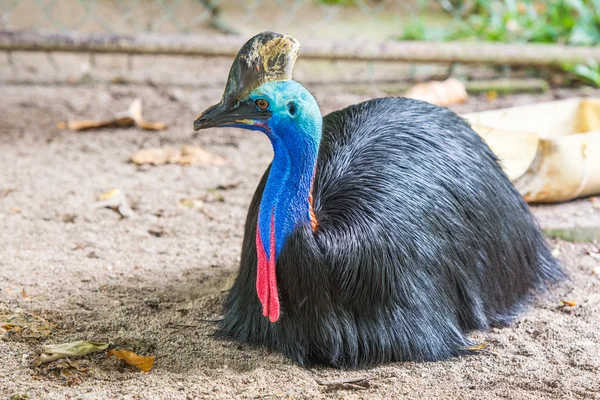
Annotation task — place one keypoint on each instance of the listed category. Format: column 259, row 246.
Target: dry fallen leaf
column 23, row 294
column 74, row 349
column 23, row 324
column 568, row 303
column 116, row 200
column 133, row 116
column 142, row 362
column 450, row 91
column 156, row 156
column 81, row 125
column 196, row 155
column 188, row 155
column 476, row 347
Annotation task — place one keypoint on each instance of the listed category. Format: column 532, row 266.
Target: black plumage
column 421, row 239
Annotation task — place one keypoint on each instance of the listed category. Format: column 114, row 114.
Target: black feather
column 421, row 239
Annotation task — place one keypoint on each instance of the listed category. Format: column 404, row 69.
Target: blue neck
column 289, row 185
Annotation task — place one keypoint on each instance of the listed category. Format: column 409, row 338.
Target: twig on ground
column 361, row 383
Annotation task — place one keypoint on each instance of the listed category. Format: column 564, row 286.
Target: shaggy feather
column 421, row 239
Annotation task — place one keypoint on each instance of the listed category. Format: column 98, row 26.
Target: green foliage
column 589, row 72
column 574, row 22
column 414, row 29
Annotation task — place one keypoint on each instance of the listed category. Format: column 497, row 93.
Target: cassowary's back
column 421, row 238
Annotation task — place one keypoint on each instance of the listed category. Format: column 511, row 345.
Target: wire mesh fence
column 351, row 39
column 348, row 19
column 167, row 32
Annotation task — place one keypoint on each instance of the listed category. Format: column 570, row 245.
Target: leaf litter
column 68, row 372
column 131, row 117
column 144, row 363
column 74, row 349
column 187, row 155
column 61, row 360
column 23, row 325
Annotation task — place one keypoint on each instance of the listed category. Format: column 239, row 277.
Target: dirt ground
column 154, row 283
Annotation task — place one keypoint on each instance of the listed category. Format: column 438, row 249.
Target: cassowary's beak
column 244, row 113
column 268, row 56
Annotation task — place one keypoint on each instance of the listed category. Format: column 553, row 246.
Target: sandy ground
column 154, row 283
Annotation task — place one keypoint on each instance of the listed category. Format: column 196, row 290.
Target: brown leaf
column 81, row 125
column 133, row 116
column 450, row 91
column 156, row 156
column 475, row 347
column 196, row 155
column 23, row 293
column 143, row 363
column 188, row 155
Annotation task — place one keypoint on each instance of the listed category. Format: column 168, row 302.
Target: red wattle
column 262, row 277
column 266, row 278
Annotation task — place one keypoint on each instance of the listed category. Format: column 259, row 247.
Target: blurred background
column 159, row 27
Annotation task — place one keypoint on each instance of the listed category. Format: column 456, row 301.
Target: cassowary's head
column 260, row 94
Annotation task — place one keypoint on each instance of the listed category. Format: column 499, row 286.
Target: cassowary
column 382, row 232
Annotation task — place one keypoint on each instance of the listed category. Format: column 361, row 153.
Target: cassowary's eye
column 262, row 104
column 292, row 108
